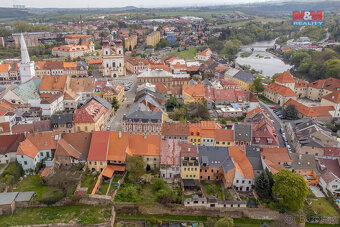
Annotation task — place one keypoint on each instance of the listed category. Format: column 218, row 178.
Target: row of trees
column 314, row 64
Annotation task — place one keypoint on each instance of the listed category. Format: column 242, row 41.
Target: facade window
column 25, row 162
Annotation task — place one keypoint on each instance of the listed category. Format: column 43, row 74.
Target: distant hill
column 14, row 13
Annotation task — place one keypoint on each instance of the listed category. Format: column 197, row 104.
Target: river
column 260, row 60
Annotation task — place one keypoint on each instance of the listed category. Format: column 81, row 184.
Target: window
column 185, row 169
column 212, row 170
column 101, row 163
column 90, row 163
column 25, row 162
column 243, row 182
column 236, row 181
column 249, row 182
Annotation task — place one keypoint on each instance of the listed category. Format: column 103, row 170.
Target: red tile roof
column 282, row 90
column 225, row 94
column 89, row 113
column 285, row 77
column 4, row 68
column 224, row 135
column 46, row 171
column 10, row 143
column 44, row 140
column 117, row 146
column 53, row 83
column 27, row 148
column 241, row 162
column 307, row 111
column 194, row 90
column 330, row 84
column 99, row 146
column 144, row 145
column 170, row 152
column 332, row 151
column 5, row 127
column 16, row 129
column 333, row 97
column 274, row 156
column 188, row 150
column 175, row 129
column 300, row 83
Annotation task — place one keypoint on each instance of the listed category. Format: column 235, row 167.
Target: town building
column 147, row 146
column 330, row 175
column 224, row 137
column 130, row 43
column 37, row 148
column 242, row 134
column 275, row 159
column 26, row 66
column 113, row 59
column 153, row 39
column 92, row 116
column 193, row 93
column 332, row 99
column 203, row 55
column 244, row 79
column 170, row 155
column 8, row 147
column 175, row 130
column 99, row 146
column 317, row 89
column 72, row 148
column 73, row 51
column 62, row 123
column 190, row 165
column 305, row 165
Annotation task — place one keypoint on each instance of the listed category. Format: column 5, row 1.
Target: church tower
column 26, row 66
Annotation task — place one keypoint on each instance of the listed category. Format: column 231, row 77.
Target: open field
column 204, row 14
column 324, row 208
column 186, row 54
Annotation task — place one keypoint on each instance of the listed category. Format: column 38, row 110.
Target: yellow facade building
column 153, row 39
column 130, row 43
column 190, row 165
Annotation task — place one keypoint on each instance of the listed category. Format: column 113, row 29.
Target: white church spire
column 25, row 58
column 26, row 66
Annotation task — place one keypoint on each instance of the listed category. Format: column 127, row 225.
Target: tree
column 276, row 75
column 135, row 167
column 128, row 194
column 290, row 188
column 65, row 179
column 290, row 112
column 262, row 187
column 172, row 103
column 225, row 222
column 10, row 180
column 198, row 110
column 257, row 85
column 115, row 103
column 179, row 114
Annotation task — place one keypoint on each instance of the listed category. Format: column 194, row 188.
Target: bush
column 51, row 199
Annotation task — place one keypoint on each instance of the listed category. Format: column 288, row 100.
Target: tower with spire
column 26, row 66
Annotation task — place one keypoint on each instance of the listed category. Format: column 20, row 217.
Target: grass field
column 34, row 183
column 2, row 166
column 324, row 208
column 83, row 215
column 212, row 188
column 186, row 54
column 88, row 182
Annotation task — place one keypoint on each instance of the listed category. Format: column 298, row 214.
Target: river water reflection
column 261, row 60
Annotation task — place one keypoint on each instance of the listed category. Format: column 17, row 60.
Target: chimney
column 308, row 163
column 120, row 134
column 145, row 136
column 189, row 149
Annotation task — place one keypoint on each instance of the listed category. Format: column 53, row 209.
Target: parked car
column 273, row 107
column 286, row 143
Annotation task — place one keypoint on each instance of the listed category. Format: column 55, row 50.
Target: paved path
column 316, row 191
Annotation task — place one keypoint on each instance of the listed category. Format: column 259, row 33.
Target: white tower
column 26, row 66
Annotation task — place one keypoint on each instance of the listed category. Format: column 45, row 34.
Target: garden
column 82, row 215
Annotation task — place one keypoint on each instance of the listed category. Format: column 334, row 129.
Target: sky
column 119, row 3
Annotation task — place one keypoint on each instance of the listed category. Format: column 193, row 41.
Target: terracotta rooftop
column 27, row 148
column 175, row 129
column 95, row 61
column 333, row 97
column 307, row 111
column 117, row 146
column 194, row 90
column 10, row 143
column 170, row 152
column 280, row 89
column 44, row 140
column 5, row 127
column 224, row 135
column 82, row 84
column 99, row 146
column 330, row 84
column 189, row 150
column 332, row 151
column 53, row 83
column 4, row 68
column 144, row 145
column 76, row 145
column 285, row 77
column 274, row 156
column 89, row 113
column 241, row 162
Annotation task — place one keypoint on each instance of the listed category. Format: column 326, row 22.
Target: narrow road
column 277, row 122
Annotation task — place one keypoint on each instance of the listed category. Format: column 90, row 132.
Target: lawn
column 34, row 183
column 242, row 222
column 212, row 188
column 264, row 99
column 83, row 215
column 324, row 208
column 104, row 187
column 246, row 54
column 88, row 181
column 186, row 54
column 116, row 178
column 2, row 166
column 203, row 14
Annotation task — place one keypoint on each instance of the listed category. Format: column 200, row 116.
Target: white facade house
column 113, row 60
column 170, row 172
column 208, row 141
column 26, row 66
column 241, row 183
column 53, row 104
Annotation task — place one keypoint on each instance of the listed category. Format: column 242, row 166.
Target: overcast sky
column 118, row 3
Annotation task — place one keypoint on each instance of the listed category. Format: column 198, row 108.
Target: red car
column 273, row 107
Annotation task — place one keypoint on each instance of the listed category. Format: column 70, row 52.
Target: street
column 277, row 122
column 115, row 123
